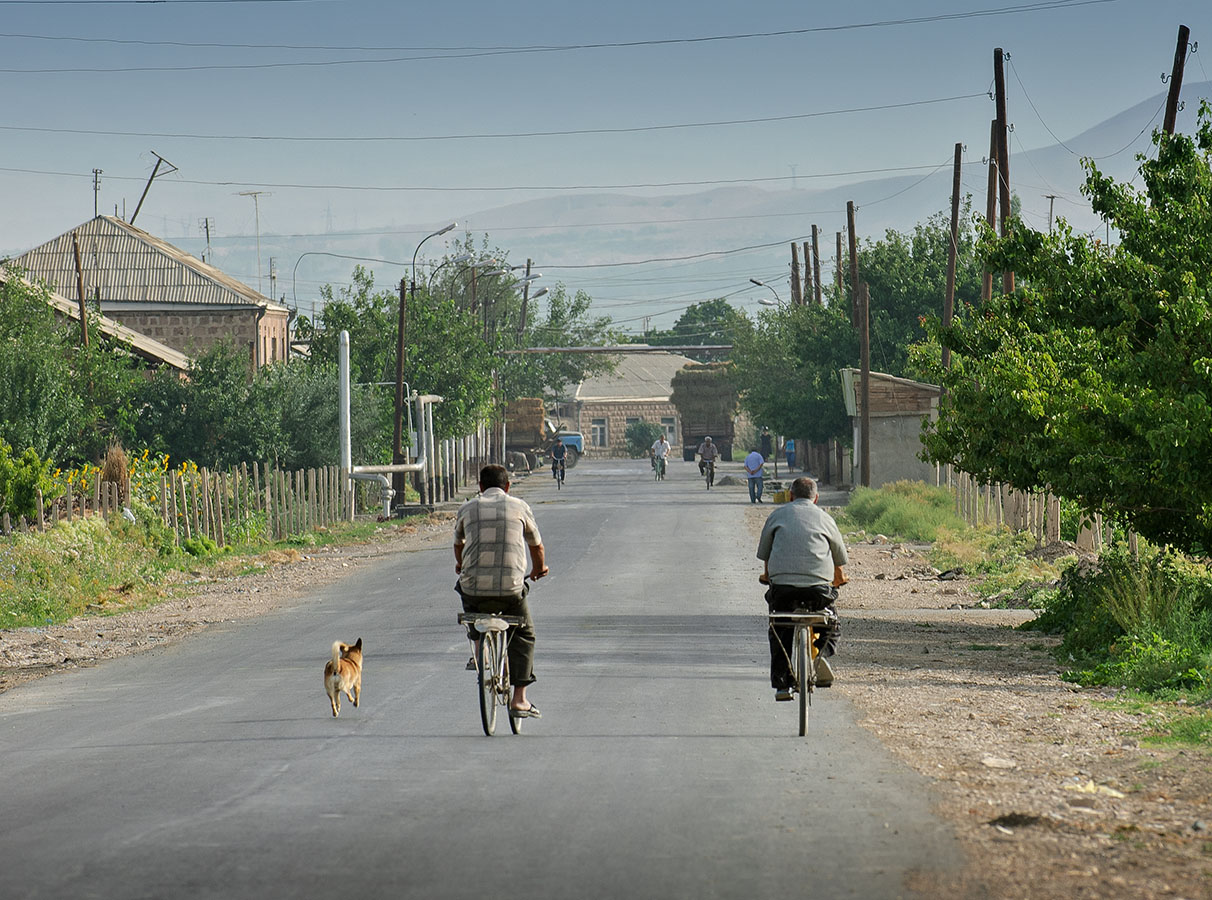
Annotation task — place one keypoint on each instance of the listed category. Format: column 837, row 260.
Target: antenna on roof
column 159, row 160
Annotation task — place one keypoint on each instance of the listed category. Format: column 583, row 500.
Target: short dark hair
column 803, row 488
column 494, row 476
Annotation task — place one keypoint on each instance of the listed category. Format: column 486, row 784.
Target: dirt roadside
column 1050, row 793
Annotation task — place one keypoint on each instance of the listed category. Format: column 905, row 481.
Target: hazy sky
column 390, row 115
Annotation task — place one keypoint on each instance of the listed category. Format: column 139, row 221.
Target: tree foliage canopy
column 1094, row 379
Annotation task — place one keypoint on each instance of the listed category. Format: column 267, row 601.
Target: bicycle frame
column 808, row 625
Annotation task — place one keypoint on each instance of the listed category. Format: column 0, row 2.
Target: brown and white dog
column 344, row 673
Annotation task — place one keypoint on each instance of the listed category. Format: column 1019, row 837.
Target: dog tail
column 336, row 655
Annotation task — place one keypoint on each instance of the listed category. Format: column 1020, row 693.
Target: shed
column 898, row 408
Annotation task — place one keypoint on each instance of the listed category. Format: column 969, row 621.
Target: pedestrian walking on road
column 754, row 465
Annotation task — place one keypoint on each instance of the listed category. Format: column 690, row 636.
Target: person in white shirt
column 660, row 453
column 707, row 452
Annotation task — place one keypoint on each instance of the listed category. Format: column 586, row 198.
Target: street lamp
column 398, row 441
column 462, row 257
column 777, row 299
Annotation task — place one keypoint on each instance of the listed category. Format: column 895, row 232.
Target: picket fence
column 215, row 505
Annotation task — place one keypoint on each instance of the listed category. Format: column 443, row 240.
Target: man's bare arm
column 458, row 552
column 538, row 565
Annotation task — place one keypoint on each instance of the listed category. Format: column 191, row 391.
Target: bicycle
column 809, row 625
column 709, row 472
column 658, row 468
column 492, row 666
column 557, row 472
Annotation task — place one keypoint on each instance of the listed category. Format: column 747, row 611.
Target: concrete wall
column 896, row 442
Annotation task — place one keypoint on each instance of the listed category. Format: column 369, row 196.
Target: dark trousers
column 521, row 637
column 785, row 598
column 755, row 489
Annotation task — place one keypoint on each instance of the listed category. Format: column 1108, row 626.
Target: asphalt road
column 662, row 768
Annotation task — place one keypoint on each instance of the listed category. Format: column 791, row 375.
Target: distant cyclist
column 660, row 454
column 558, row 453
column 708, row 452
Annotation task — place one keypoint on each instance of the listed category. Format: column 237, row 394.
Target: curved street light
column 462, row 257
column 398, row 438
column 777, row 299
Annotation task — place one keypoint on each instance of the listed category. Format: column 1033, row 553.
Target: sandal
column 530, row 712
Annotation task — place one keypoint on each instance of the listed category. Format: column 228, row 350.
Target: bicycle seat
column 484, row 623
column 803, row 617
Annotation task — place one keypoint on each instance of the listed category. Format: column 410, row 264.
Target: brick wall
column 197, row 332
column 616, row 414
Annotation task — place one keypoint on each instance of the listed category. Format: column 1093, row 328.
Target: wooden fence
column 1030, row 511
column 216, row 505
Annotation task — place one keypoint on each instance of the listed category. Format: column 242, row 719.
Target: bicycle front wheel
column 489, row 654
column 803, row 680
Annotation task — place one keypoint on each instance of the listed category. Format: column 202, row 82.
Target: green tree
column 906, row 275
column 1094, row 379
column 787, row 363
column 641, row 436
column 709, row 322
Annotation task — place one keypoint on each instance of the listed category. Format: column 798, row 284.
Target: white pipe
column 343, row 389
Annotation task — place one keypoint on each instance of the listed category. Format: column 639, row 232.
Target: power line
column 488, row 135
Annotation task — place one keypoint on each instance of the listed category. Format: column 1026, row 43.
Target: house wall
column 197, row 332
column 896, row 442
column 616, row 414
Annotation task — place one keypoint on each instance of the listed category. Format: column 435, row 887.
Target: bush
column 909, row 510
column 21, row 479
column 641, row 436
column 1145, row 624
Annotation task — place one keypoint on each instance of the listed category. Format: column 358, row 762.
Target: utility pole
column 864, row 385
column 96, row 190
column 990, row 206
column 1003, row 155
column 853, row 263
column 838, row 259
column 205, row 224
column 1051, row 198
column 525, row 299
column 80, row 291
column 952, row 249
column 160, row 160
column 1176, row 78
column 806, row 293
column 816, row 264
column 257, row 213
column 397, row 443
column 796, row 296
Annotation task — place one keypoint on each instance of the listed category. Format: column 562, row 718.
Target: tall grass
column 906, row 510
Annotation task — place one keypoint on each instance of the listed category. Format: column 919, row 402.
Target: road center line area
column 661, row 768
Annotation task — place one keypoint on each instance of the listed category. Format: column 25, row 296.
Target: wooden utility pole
column 816, row 264
column 952, row 249
column 990, row 205
column 864, row 386
column 1176, row 78
column 796, row 297
column 80, row 291
column 1003, row 155
column 525, row 300
column 808, row 288
column 841, row 293
column 397, row 444
column 1051, row 198
column 853, row 263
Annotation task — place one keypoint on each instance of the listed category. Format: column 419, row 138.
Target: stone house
column 638, row 390
column 898, row 407
column 158, row 290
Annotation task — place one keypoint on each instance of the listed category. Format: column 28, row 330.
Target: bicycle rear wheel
column 803, row 680
column 489, row 654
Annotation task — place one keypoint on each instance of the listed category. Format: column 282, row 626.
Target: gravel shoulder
column 1050, row 792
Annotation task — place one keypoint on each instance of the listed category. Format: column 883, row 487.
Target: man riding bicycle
column 660, row 454
column 494, row 534
column 708, row 452
column 558, row 454
column 804, row 554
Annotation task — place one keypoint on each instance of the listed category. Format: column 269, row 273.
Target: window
column 631, row 420
column 597, row 432
column 670, row 426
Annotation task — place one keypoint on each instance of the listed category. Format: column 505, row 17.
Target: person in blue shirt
column 558, row 454
column 754, row 464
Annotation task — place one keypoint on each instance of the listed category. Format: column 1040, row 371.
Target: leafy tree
column 21, row 478
column 906, row 275
column 64, row 400
column 787, row 363
column 641, row 436
column 1094, row 379
column 709, row 322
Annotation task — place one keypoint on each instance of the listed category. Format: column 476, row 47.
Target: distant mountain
column 595, row 229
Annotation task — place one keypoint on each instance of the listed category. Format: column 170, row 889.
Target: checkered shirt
column 495, row 530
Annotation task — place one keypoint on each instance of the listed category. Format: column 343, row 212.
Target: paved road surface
column 662, row 768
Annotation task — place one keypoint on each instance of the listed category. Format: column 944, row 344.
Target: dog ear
column 358, row 645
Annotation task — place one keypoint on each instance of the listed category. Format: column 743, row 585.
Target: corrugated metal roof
column 125, row 264
column 149, row 348
column 639, row 376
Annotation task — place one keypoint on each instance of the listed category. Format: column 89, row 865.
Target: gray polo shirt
column 801, row 544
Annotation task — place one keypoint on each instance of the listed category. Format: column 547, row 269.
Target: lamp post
column 462, row 257
column 397, row 455
column 777, row 299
